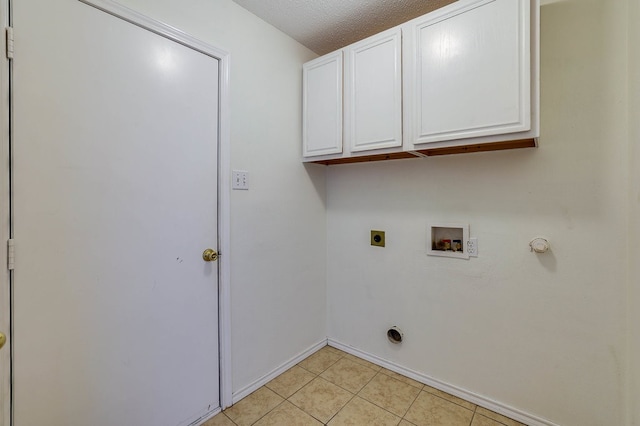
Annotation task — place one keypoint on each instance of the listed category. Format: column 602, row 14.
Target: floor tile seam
column 306, row 369
column 303, row 410
column 370, row 380
column 332, row 364
column 381, row 371
column 411, row 405
column 316, row 353
column 389, row 375
column 296, row 391
column 473, row 415
column 353, row 395
column 462, row 406
column 489, row 418
column 382, row 408
column 274, row 391
column 375, row 373
column 229, row 418
column 475, row 406
column 385, row 409
column 305, row 385
column 365, row 363
column 358, row 393
column 307, row 413
column 322, row 378
column 401, row 382
column 334, row 350
column 267, row 413
column 350, row 391
column 343, row 388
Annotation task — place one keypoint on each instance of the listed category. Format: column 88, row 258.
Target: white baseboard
column 237, row 396
column 474, row 398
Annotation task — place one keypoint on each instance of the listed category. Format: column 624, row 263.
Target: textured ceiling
column 327, row 25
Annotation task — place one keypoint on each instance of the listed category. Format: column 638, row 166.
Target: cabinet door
column 373, row 92
column 468, row 71
column 322, row 106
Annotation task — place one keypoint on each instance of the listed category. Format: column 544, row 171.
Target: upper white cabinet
column 322, row 105
column 463, row 78
column 373, row 92
column 467, row 71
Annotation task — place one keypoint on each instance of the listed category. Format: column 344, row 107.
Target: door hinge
column 9, row 42
column 11, row 254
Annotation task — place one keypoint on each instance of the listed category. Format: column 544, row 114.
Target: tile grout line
column 401, row 417
column 377, row 370
column 304, row 386
column 285, row 399
column 357, row 394
column 497, row 421
column 270, row 411
column 341, row 355
column 475, row 411
column 236, row 424
column 411, row 405
column 338, row 412
column 313, row 372
column 380, row 371
column 455, row 403
column 422, row 388
column 317, row 376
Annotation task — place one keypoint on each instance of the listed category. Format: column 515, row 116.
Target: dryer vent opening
column 395, row 335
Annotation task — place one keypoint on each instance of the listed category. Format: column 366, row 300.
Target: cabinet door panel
column 472, row 75
column 373, row 89
column 322, row 106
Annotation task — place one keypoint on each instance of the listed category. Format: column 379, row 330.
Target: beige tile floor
column 334, row 388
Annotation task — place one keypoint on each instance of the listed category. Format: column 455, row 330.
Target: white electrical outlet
column 240, row 179
column 472, row 247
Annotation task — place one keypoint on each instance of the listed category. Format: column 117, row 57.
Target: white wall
column 278, row 235
column 633, row 311
column 545, row 334
column 542, row 333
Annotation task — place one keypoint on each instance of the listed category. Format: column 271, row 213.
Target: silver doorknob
column 210, row 255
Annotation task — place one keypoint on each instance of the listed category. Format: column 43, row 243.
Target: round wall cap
column 540, row 245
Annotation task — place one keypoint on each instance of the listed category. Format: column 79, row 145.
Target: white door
column 115, row 133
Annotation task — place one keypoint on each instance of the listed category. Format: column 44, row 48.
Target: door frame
column 5, row 219
column 223, row 202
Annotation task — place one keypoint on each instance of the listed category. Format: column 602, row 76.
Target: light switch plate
column 240, row 179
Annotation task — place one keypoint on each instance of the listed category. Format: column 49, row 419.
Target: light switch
column 240, row 179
